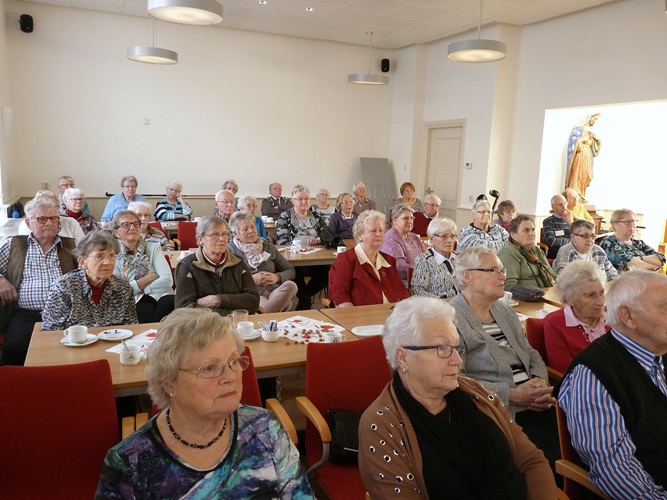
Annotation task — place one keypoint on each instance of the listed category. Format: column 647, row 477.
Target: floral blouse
column 619, row 253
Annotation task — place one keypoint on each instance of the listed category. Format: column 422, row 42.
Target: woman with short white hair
column 481, row 231
column 74, row 200
column 148, row 233
column 434, row 269
column 248, row 204
column 172, row 207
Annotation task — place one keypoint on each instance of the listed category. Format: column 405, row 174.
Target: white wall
column 238, row 104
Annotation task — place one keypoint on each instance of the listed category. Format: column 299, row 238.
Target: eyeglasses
column 226, row 202
column 129, row 186
column 484, row 212
column 101, row 257
column 407, row 218
column 128, row 225
column 634, row 221
column 432, row 205
column 76, row 199
column 217, row 236
column 42, row 220
column 215, row 370
column 177, row 191
column 585, row 236
column 446, row 237
column 144, row 216
column 493, row 270
column 301, row 200
column 443, row 351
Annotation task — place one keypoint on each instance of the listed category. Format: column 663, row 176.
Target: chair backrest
column 157, row 225
column 346, row 376
column 56, row 425
column 187, row 234
column 250, row 395
column 535, row 336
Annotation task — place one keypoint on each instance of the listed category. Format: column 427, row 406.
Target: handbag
column 330, row 239
column 528, row 293
column 344, row 426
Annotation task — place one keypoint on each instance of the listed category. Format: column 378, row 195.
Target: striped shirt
column 166, row 211
column 598, row 429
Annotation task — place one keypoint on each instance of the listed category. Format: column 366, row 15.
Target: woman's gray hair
column 626, row 291
column 175, row 184
column 364, row 220
column 432, row 196
column 300, row 188
column 576, row 274
column 516, row 222
column 132, row 206
column 469, row 259
column 49, row 195
column 230, row 181
column 441, row 225
column 130, row 178
column 71, row 192
column 582, row 223
column 358, row 185
column 185, row 330
column 96, row 240
column 115, row 222
column 398, row 209
column 403, row 326
column 339, row 200
column 617, row 215
column 479, row 204
column 37, row 204
column 207, row 222
column 238, row 217
column 245, row 197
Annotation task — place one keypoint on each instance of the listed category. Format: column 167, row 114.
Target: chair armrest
column 579, row 475
column 131, row 424
column 313, row 414
column 176, row 244
column 274, row 406
column 554, row 375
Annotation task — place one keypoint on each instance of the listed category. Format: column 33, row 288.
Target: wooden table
column 551, row 296
column 271, row 359
column 351, row 317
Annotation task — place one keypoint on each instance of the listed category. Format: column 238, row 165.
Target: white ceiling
column 394, row 23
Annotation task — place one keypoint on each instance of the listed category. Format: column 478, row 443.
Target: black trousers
column 18, row 335
column 319, row 279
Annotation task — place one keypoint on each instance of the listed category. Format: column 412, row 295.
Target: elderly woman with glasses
column 212, row 277
column 91, row 295
column 203, row 443
column 434, row 269
column 74, row 201
column 144, row 267
column 497, row 352
column 481, row 231
column 172, row 207
column 580, row 288
column 342, row 221
column 299, row 224
column 148, row 233
column 270, row 271
column 431, row 431
column 582, row 247
column 400, row 242
column 248, row 205
column 120, row 201
column 322, row 206
column 365, row 275
column 626, row 252
column 524, row 261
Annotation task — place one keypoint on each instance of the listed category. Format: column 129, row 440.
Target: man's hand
column 8, row 294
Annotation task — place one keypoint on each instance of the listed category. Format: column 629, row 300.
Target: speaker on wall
column 26, row 23
column 384, row 65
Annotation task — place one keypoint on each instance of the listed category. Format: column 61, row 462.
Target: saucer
column 91, row 339
column 115, row 335
column 255, row 334
column 512, row 303
column 367, row 331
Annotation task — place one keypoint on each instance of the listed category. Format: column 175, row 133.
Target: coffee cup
column 245, row 328
column 239, row 315
column 341, row 249
column 270, row 336
column 130, row 355
column 507, row 297
column 296, row 247
column 269, row 219
column 77, row 334
column 333, row 337
column 265, row 218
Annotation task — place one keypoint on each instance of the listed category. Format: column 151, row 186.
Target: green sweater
column 520, row 271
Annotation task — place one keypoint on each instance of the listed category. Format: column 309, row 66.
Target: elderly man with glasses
column 423, row 217
column 583, row 247
column 225, row 204
column 28, row 267
column 556, row 228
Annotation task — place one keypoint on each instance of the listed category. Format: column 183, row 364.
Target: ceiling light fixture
column 152, row 54
column 197, row 12
column 477, row 50
column 368, row 78
column 312, row 9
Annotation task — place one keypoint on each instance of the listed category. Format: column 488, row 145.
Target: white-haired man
column 423, row 217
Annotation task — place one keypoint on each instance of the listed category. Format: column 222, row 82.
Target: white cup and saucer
column 77, row 335
column 333, row 337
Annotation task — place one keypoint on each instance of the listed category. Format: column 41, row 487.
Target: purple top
column 404, row 250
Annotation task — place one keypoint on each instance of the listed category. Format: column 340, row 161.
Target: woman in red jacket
column 364, row 275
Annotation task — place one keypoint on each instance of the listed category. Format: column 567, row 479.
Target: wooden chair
column 347, row 376
column 187, row 234
column 56, row 425
column 157, row 225
column 535, row 336
column 577, row 486
column 250, row 396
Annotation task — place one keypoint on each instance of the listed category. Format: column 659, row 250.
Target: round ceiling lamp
column 197, row 12
column 151, row 55
column 368, row 78
column 479, row 50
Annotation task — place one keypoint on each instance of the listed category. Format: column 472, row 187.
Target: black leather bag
column 344, row 426
column 330, row 239
column 528, row 293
